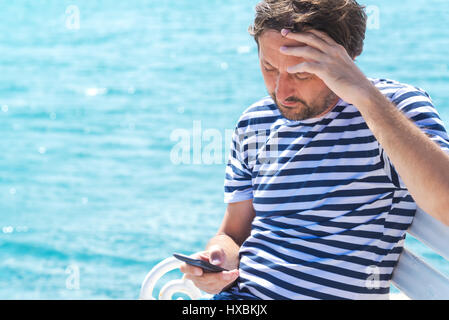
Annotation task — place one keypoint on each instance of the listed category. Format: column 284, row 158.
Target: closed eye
column 303, row 76
column 269, row 69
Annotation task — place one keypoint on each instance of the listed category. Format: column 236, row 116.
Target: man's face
column 298, row 96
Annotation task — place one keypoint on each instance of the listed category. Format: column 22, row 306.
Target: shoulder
column 403, row 95
column 417, row 105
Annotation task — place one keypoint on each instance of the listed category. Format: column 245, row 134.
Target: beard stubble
column 305, row 111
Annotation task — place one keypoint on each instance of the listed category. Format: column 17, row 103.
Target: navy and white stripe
column 331, row 210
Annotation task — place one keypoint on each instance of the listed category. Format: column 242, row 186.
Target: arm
column 422, row 165
column 223, row 249
column 236, row 225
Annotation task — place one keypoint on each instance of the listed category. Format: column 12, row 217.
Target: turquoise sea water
column 88, row 112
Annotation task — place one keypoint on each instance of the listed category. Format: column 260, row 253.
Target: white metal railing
column 175, row 286
column 412, row 276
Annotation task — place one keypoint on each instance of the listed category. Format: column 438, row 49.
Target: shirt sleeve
column 417, row 105
column 238, row 181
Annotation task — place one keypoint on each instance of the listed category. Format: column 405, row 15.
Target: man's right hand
column 212, row 283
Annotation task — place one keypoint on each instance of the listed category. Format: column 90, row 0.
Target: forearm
column 422, row 165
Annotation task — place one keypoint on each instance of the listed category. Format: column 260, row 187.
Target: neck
column 331, row 106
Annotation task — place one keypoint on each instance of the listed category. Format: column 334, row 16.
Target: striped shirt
column 331, row 210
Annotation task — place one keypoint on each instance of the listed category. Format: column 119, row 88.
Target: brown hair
column 343, row 20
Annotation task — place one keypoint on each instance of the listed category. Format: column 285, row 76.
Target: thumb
column 217, row 256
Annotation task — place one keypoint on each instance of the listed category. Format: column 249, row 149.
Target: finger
column 309, row 67
column 204, row 256
column 206, row 278
column 224, row 277
column 308, row 38
column 230, row 275
column 323, row 36
column 217, row 256
column 214, row 282
column 190, row 270
column 214, row 277
column 198, row 254
column 303, row 52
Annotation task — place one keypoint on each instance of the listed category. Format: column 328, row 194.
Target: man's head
column 303, row 96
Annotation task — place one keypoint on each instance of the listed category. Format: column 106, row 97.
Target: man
column 325, row 175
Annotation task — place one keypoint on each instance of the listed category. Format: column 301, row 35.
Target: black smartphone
column 206, row 266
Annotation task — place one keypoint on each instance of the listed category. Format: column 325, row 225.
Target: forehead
column 269, row 43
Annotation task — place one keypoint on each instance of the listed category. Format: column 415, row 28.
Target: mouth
column 288, row 105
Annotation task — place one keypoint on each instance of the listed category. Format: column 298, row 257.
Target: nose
column 285, row 87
